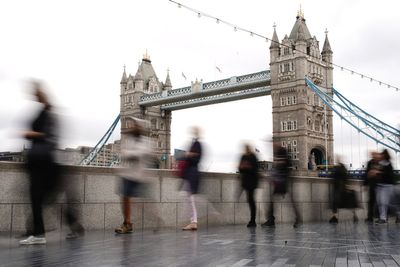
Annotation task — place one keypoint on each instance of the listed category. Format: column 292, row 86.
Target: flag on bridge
column 218, row 69
column 258, row 151
column 183, row 75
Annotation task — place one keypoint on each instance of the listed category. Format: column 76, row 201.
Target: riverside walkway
column 319, row 244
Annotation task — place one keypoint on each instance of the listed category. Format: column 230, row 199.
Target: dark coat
column 191, row 172
column 248, row 169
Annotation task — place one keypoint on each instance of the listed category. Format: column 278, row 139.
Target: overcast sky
column 79, row 48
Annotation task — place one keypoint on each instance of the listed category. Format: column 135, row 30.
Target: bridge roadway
column 319, row 244
column 199, row 94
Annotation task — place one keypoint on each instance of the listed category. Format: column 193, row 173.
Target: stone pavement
column 320, row 244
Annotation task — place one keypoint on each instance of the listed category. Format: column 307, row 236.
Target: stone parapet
column 96, row 200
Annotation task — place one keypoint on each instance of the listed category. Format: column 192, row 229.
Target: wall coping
column 161, row 173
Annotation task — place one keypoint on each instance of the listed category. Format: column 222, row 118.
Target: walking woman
column 248, row 170
column 41, row 165
column 191, row 175
column 135, row 150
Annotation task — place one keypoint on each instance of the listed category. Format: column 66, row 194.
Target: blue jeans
column 383, row 196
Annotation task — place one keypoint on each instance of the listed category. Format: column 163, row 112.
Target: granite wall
column 97, row 203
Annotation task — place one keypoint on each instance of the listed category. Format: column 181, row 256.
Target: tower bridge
column 301, row 121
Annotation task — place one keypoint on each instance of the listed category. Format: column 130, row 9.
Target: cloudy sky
column 79, row 48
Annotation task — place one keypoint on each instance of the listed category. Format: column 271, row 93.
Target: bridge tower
column 301, row 122
column 144, row 82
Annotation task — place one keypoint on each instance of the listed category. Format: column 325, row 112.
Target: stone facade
column 145, row 81
column 301, row 121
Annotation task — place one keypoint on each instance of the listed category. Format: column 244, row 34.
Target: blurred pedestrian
column 343, row 195
column 43, row 171
column 370, row 181
column 191, row 175
column 384, row 186
column 280, row 181
column 134, row 154
column 71, row 189
column 248, row 169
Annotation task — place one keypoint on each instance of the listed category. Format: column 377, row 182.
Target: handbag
column 181, row 167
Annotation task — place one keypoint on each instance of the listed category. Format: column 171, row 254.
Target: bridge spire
column 168, row 84
column 275, row 40
column 327, row 46
column 124, row 79
column 300, row 13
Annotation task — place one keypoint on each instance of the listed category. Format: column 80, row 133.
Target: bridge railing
column 180, row 91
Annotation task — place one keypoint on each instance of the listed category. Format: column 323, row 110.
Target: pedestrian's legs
column 193, row 219
column 295, row 209
column 383, row 196
column 371, row 202
column 252, row 204
column 271, row 209
column 126, row 209
column 37, row 191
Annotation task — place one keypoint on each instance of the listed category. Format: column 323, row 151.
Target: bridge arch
column 317, row 156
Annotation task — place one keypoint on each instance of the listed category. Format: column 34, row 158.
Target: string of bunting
column 252, row 33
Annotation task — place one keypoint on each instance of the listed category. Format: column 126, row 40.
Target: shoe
column 77, row 230
column 190, row 227
column 369, row 220
column 333, row 220
column 269, row 223
column 125, row 228
column 380, row 221
column 32, row 240
column 355, row 219
column 251, row 224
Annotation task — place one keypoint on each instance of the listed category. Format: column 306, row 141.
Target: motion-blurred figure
column 71, row 189
column 191, row 175
column 343, row 196
column 248, row 169
column 370, row 181
column 134, row 153
column 280, row 181
column 43, row 171
column 384, row 186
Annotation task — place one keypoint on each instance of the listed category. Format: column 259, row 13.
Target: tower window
column 294, row 100
column 282, row 101
column 284, row 126
column 289, row 100
column 286, row 67
column 286, row 51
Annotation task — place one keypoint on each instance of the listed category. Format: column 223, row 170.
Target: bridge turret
column 139, row 81
column 327, row 50
column 274, row 48
column 327, row 57
column 124, row 81
column 167, row 85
